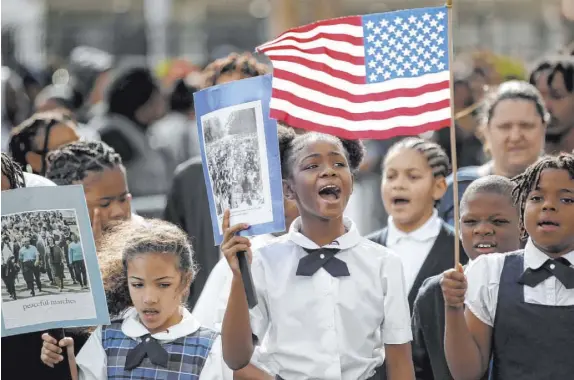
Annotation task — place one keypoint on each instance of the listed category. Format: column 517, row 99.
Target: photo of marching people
column 42, row 255
column 234, row 161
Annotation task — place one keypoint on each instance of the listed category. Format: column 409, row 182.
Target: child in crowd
column 99, row 169
column 414, row 172
column 520, row 306
column 147, row 269
column 43, row 132
column 488, row 223
column 332, row 304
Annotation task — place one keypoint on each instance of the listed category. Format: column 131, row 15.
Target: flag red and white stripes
column 374, row 76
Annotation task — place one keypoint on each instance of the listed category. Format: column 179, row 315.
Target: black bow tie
column 559, row 268
column 149, row 347
column 325, row 258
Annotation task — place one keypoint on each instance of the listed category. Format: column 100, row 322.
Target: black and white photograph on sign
column 42, row 255
column 236, row 157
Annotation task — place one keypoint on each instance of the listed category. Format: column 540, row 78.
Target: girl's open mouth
column 330, row 192
column 548, row 225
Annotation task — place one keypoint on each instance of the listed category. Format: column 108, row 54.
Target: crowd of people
column 341, row 295
column 41, row 245
column 235, row 171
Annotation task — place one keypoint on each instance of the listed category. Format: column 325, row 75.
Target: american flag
column 372, row 77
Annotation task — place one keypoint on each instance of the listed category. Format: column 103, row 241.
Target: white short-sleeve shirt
column 325, row 327
column 92, row 359
column 483, row 277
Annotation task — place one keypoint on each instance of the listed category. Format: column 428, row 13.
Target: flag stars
column 405, row 44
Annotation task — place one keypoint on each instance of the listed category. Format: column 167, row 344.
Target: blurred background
column 42, row 33
column 75, row 42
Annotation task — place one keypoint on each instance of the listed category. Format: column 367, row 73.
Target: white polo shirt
column 324, row 327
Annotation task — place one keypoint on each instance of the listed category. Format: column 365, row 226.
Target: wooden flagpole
column 453, row 153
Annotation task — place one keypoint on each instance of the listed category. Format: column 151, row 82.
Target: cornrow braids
column 244, row 64
column 436, row 157
column 71, row 163
column 528, row 180
column 290, row 144
column 13, row 172
column 22, row 137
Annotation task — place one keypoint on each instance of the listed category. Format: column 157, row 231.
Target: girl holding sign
column 331, row 302
column 147, row 270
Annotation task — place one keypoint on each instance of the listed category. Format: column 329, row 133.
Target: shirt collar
column 133, row 328
column 348, row 240
column 429, row 230
column 535, row 258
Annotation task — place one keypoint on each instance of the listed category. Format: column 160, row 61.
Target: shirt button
column 147, row 339
column 552, row 266
column 322, row 256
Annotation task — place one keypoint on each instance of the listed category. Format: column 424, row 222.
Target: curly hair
column 132, row 238
column 528, row 180
column 290, row 144
column 433, row 153
column 13, row 172
column 244, row 64
column 71, row 163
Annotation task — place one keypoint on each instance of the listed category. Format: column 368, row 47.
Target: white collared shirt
column 325, row 327
column 483, row 276
column 414, row 247
column 210, row 307
column 92, row 359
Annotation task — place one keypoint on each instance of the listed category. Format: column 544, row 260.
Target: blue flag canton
column 405, row 44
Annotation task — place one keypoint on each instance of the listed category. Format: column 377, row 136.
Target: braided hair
column 290, row 144
column 22, row 137
column 528, row 180
column 71, row 163
column 13, row 172
column 434, row 154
